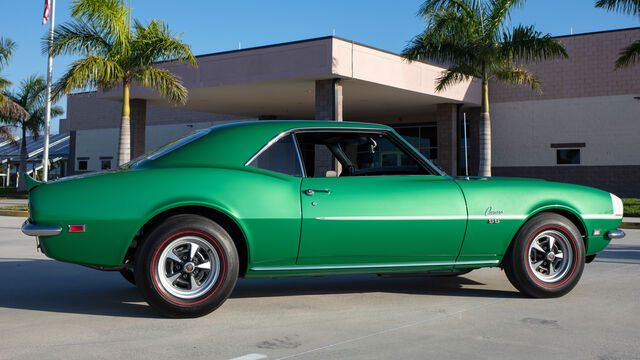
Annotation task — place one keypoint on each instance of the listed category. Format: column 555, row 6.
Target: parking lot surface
column 53, row 310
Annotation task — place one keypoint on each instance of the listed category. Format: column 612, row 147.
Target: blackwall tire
column 187, row 266
column 127, row 274
column 546, row 258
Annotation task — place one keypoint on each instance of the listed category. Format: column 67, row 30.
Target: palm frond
column 165, row 82
column 32, row 92
column 7, row 47
column 454, row 75
column 155, row 42
column 10, row 110
column 629, row 55
column 78, row 37
column 7, row 135
column 431, row 7
column 449, row 39
column 518, row 76
column 110, row 15
column 631, row 7
column 525, row 43
column 499, row 11
column 87, row 74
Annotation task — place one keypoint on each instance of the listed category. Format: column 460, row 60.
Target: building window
column 568, row 156
column 83, row 165
column 105, row 164
column 423, row 138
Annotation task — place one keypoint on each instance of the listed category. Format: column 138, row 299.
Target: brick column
column 138, row 127
column 446, row 120
column 328, row 100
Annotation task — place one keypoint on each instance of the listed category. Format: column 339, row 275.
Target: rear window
column 165, row 149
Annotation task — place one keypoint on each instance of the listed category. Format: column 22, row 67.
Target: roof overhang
column 279, row 80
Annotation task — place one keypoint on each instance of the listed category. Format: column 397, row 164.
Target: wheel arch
column 567, row 212
column 218, row 215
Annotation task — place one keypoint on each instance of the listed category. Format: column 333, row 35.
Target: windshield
column 165, row 149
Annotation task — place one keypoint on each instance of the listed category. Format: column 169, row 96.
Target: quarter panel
column 114, row 206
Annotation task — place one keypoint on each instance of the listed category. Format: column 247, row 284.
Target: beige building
column 587, row 112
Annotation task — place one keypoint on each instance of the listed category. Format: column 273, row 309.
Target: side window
column 327, row 154
column 281, row 157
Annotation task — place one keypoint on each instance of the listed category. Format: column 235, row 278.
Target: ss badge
column 494, row 221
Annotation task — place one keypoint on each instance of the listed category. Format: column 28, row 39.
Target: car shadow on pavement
column 345, row 284
column 46, row 285
column 620, row 253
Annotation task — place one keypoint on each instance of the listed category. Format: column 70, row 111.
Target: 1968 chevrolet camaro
column 299, row 198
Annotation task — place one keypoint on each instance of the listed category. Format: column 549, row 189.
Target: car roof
column 233, row 144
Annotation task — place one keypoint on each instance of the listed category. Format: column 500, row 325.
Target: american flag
column 45, row 16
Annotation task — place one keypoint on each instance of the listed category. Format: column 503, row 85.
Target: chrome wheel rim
column 550, row 256
column 188, row 267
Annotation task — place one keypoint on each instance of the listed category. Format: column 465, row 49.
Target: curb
column 630, row 225
column 18, row 213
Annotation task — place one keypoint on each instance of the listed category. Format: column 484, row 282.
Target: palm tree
column 118, row 50
column 7, row 107
column 471, row 37
column 31, row 96
column 631, row 54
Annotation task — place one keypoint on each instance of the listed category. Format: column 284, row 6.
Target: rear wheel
column 186, row 267
column 546, row 258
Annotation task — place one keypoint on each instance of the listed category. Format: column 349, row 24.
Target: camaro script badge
column 491, row 212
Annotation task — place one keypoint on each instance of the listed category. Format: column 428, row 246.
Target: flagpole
column 45, row 156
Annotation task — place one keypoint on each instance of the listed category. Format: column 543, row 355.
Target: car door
column 367, row 200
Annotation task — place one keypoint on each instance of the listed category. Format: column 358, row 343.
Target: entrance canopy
column 281, row 81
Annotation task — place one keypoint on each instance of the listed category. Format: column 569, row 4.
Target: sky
column 214, row 25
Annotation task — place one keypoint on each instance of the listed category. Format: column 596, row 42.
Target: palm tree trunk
column 22, row 185
column 485, row 133
column 124, row 145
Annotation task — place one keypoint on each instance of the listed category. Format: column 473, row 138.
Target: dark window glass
column 355, row 154
column 105, row 164
column 411, row 134
column 281, row 157
column 82, row 165
column 568, row 156
column 423, row 138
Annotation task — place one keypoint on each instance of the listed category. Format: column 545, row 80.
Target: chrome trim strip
column 601, row 217
column 40, row 230
column 304, row 129
column 454, row 217
column 299, row 153
column 392, row 132
column 615, row 234
column 330, row 267
column 266, row 146
column 499, row 217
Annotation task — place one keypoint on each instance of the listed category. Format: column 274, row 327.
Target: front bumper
column 39, row 230
column 614, row 234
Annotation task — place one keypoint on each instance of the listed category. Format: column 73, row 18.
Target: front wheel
column 546, row 258
column 186, row 267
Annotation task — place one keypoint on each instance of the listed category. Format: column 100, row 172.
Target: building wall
column 94, row 144
column 583, row 101
column 523, row 131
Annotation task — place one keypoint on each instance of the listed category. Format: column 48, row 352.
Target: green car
column 307, row 198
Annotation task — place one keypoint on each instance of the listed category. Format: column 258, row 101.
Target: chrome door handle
column 313, row 191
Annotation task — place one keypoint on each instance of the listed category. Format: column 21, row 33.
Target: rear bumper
column 40, row 230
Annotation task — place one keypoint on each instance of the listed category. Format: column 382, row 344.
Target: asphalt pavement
column 53, row 310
